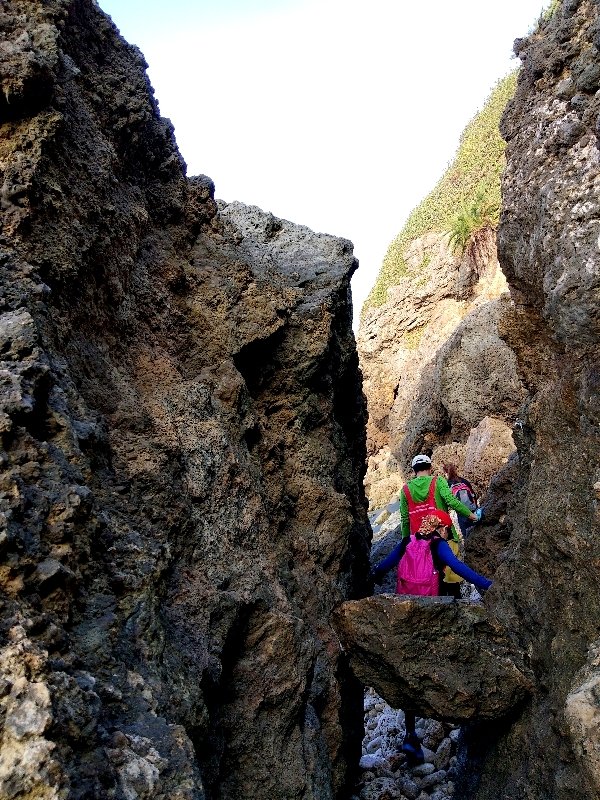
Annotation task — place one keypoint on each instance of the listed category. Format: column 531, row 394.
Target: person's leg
column 465, row 525
column 411, row 746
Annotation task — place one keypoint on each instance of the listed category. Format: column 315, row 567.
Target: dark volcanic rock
column 181, row 501
column 548, row 248
column 444, row 659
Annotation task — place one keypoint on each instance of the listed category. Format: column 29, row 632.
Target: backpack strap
column 461, row 486
column 409, row 500
column 431, row 495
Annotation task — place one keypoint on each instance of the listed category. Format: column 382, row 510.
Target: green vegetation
column 479, row 214
column 471, row 181
column 425, row 262
column 412, row 338
column 545, row 16
column 550, row 11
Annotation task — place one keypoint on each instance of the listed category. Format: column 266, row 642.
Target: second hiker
column 461, row 488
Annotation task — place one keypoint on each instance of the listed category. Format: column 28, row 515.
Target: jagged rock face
column 183, row 447
column 583, row 715
column 548, row 246
column 441, row 658
column 435, row 365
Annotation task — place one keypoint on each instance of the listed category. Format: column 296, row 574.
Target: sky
column 336, row 114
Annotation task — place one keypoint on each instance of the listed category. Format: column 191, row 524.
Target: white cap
column 420, row 459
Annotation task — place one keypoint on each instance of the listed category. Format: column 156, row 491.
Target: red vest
column 416, row 511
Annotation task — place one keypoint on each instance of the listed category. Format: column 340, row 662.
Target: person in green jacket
column 419, row 489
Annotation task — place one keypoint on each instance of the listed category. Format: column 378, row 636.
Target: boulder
column 489, row 446
column 444, row 659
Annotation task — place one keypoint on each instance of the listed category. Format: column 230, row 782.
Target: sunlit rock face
column 435, row 366
column 582, row 712
column 183, row 452
column 548, row 585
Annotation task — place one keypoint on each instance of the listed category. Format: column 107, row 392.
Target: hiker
column 422, row 558
column 424, row 494
column 421, row 562
column 463, row 490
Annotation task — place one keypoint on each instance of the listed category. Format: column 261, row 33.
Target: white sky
column 336, row 114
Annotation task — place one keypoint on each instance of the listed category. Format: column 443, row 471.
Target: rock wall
column 183, row 452
column 548, row 584
column 436, row 368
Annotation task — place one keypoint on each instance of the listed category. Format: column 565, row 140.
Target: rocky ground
column 385, row 774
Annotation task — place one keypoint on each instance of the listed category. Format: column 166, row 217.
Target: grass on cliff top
column 472, row 179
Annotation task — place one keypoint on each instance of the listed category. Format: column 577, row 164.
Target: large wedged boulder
column 445, row 659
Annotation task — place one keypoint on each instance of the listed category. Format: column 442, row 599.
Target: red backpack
column 416, row 571
column 416, row 511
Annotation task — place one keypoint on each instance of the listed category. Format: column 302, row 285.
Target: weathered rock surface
column 181, row 498
column 582, row 712
column 548, row 248
column 472, row 378
column 435, row 365
column 488, row 544
column 444, row 659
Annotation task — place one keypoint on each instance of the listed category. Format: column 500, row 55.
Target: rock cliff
column 548, row 249
column 444, row 659
column 183, row 452
column 437, row 374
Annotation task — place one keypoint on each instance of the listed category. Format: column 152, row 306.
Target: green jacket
column 444, row 499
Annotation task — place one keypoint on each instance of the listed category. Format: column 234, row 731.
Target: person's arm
column 445, row 493
column 448, row 559
column 404, row 516
column 390, row 560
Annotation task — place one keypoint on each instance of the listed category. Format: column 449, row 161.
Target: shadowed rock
column 445, row 659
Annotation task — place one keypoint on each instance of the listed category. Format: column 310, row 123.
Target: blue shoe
column 411, row 748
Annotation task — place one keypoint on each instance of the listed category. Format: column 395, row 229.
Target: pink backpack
column 416, row 571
